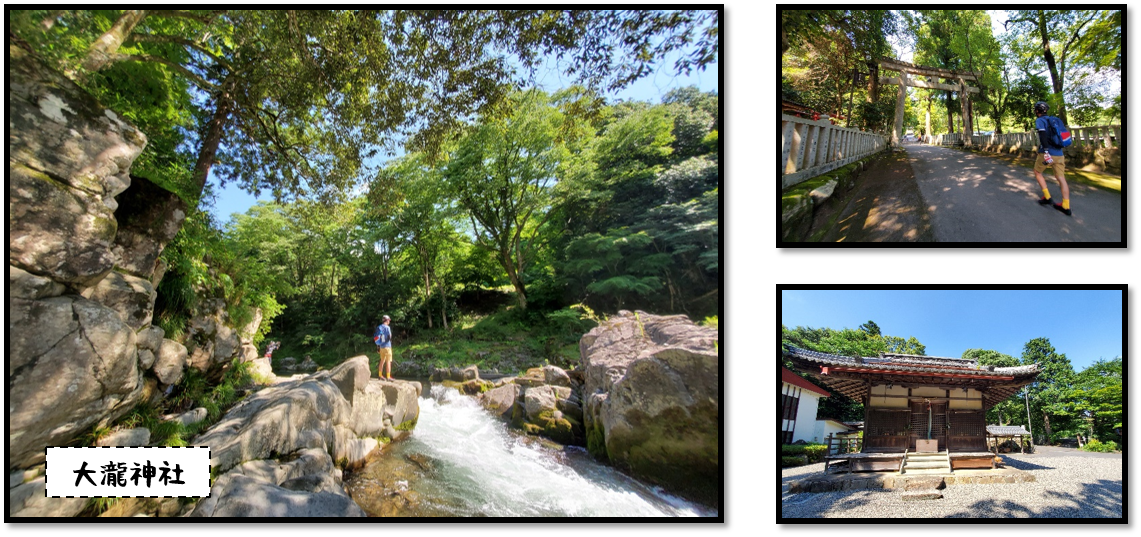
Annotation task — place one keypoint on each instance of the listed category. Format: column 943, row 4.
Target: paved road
column 975, row 198
column 1058, row 451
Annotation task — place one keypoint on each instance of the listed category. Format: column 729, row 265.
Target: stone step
column 931, row 464
column 924, row 458
column 911, row 471
column 922, row 495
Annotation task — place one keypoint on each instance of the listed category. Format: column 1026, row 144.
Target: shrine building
column 921, row 413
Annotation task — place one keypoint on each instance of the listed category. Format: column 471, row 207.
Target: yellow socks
column 1066, row 203
column 1045, row 194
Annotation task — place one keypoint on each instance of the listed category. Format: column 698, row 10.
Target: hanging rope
column 928, row 418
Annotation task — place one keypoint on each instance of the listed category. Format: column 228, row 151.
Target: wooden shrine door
column 919, row 423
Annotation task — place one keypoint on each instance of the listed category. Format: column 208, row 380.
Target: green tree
column 630, row 154
column 904, row 346
column 1009, row 410
column 1050, row 391
column 618, row 266
column 297, row 100
column 502, row 173
column 422, row 220
column 1062, row 34
column 871, row 328
column 1097, row 397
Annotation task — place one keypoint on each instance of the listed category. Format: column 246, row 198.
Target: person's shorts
column 1059, row 165
column 385, row 353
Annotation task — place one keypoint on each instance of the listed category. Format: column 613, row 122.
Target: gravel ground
column 1066, row 487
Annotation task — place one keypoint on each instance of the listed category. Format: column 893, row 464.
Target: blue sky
column 1084, row 325
column 652, row 88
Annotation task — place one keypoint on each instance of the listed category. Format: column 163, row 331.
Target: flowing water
column 461, row 461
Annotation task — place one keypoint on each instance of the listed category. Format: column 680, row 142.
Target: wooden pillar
column 899, row 109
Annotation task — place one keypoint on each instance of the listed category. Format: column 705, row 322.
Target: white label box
column 128, row 472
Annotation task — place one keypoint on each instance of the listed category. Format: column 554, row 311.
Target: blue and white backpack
column 1057, row 132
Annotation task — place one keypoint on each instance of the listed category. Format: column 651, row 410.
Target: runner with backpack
column 1052, row 137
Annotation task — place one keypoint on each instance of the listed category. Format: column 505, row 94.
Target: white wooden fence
column 1084, row 138
column 810, row 148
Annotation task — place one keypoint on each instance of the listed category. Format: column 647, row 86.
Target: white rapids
column 481, row 468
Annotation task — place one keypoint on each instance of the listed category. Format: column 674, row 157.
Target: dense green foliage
column 561, row 199
column 520, row 211
column 801, row 454
column 1069, row 58
column 1097, row 446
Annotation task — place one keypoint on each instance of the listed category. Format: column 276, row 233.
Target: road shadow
column 1102, row 499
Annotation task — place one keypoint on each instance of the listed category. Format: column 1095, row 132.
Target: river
column 460, row 461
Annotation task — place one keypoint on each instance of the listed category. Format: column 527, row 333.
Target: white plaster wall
column 806, row 416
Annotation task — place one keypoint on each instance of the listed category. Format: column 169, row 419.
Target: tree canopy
column 1069, row 58
column 297, row 101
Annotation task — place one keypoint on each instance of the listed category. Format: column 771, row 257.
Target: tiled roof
column 1006, row 430
column 849, row 374
column 912, row 363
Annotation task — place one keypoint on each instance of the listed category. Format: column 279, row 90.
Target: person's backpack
column 1057, row 132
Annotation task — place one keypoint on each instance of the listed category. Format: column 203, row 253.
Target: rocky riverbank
column 280, row 451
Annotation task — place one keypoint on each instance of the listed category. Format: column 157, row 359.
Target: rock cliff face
column 83, row 263
column 73, row 320
column 652, row 400
column 85, row 239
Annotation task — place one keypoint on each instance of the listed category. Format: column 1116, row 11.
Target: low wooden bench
column 867, row 461
column 972, row 459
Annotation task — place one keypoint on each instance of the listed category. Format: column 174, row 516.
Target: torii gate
column 931, row 74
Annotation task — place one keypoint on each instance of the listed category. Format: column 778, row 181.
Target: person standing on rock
column 1049, row 155
column 383, row 339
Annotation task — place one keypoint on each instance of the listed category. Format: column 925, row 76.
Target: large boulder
column 138, row 436
column 282, row 418
column 351, row 376
column 68, row 157
column 247, row 332
column 500, row 401
column 76, row 360
column 543, row 405
column 312, row 411
column 211, row 342
column 29, row 500
column 131, row 296
column 170, row 362
column 307, row 486
column 651, row 385
column 57, row 231
column 543, row 401
column 396, row 402
column 455, row 373
column 72, row 364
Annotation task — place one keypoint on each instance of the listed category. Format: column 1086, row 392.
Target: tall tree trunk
column 214, row 131
column 427, row 289
column 1055, row 79
column 1046, row 417
column 443, row 302
column 873, row 82
column 99, row 55
column 516, row 279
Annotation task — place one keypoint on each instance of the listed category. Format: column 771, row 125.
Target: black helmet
column 1041, row 107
